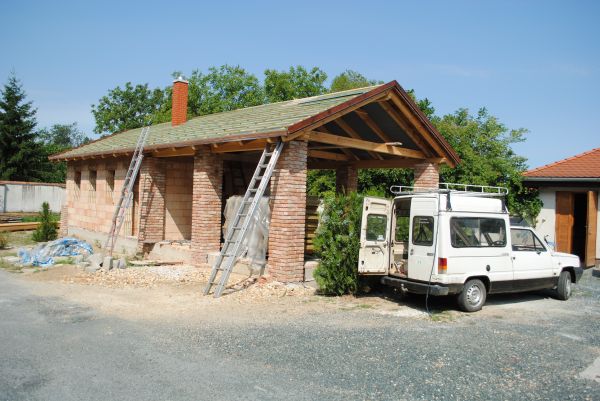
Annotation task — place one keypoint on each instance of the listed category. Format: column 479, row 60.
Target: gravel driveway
column 526, row 346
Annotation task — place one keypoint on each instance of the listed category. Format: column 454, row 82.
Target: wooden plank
column 257, row 144
column 353, row 134
column 390, row 163
column 22, row 226
column 174, row 152
column 364, row 145
column 592, row 229
column 321, row 154
column 373, row 125
column 564, row 221
column 348, row 152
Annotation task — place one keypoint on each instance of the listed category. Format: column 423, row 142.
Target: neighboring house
column 569, row 190
column 191, row 167
column 19, row 196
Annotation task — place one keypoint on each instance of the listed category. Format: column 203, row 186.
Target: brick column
column 346, row 179
column 427, row 175
column 206, row 205
column 288, row 213
column 152, row 203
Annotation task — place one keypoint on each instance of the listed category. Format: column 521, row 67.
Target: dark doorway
column 579, row 224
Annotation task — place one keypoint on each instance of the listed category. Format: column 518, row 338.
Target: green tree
column 20, row 154
column 350, row 79
column 224, row 88
column 56, row 139
column 296, row 83
column 46, row 231
column 485, row 147
column 126, row 108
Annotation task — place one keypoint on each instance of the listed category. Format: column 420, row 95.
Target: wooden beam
column 353, row 134
column 373, row 126
column 418, row 125
column 411, row 132
column 390, row 163
column 174, row 152
column 321, row 154
column 257, row 144
column 348, row 152
column 364, row 145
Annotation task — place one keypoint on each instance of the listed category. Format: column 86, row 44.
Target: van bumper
column 417, row 287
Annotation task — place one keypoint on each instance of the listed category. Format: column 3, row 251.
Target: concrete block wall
column 152, row 203
column 288, row 214
column 178, row 202
column 17, row 196
column 92, row 208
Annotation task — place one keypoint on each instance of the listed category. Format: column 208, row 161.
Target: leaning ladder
column 126, row 192
column 236, row 232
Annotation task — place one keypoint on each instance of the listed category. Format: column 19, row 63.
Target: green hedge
column 337, row 243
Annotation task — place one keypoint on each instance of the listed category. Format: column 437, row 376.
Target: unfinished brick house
column 192, row 166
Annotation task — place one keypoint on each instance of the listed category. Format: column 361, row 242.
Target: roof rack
column 447, row 187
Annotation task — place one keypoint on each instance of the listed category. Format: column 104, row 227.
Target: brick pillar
column 288, row 213
column 427, row 175
column 152, row 203
column 206, row 205
column 346, row 179
column 64, row 220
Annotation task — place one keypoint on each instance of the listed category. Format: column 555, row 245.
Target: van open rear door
column 374, row 254
column 422, row 237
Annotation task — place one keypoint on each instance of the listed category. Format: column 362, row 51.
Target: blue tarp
column 42, row 255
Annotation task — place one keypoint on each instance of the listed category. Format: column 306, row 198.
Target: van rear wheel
column 563, row 289
column 473, row 295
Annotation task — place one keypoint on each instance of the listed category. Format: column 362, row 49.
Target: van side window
column 525, row 240
column 376, row 227
column 476, row 232
column 422, row 233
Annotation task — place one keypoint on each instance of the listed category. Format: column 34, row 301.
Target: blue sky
column 532, row 64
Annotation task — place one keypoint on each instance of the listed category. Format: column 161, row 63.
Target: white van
column 450, row 241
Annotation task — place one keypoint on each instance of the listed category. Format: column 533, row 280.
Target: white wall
column 546, row 220
column 28, row 197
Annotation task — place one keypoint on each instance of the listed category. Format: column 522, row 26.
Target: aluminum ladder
column 126, row 192
column 236, row 232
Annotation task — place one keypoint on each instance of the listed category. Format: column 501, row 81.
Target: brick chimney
column 180, row 102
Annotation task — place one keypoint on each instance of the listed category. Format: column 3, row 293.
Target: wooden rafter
column 257, row 144
column 321, row 154
column 353, row 134
column 390, row 163
column 410, row 131
column 174, row 152
column 373, row 125
column 364, row 145
column 347, row 152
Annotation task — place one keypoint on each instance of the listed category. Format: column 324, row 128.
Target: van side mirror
column 548, row 242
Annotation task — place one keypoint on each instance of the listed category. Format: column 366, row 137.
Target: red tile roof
column 583, row 165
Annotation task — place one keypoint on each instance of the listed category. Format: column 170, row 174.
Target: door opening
column 579, row 224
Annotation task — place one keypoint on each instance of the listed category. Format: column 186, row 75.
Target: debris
column 122, row 263
column 43, row 255
column 154, row 263
column 107, row 263
column 95, row 261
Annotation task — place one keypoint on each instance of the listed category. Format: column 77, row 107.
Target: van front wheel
column 473, row 295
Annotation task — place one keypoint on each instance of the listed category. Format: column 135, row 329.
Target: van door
column 422, row 241
column 532, row 261
column 374, row 254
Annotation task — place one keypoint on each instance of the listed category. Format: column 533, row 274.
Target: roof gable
column 583, row 165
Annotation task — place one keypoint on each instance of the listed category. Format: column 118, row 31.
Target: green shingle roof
column 263, row 119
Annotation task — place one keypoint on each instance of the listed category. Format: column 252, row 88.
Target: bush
column 46, row 231
column 337, row 243
column 3, row 239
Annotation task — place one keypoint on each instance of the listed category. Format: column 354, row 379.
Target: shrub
column 46, row 231
column 3, row 239
column 337, row 243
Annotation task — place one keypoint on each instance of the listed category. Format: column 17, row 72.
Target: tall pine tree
column 21, row 157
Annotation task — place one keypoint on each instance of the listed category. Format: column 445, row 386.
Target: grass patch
column 443, row 316
column 10, row 267
column 29, row 219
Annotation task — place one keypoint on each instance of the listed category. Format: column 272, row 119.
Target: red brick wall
column 180, row 100
column 427, row 175
column 288, row 212
column 346, row 179
column 152, row 203
column 178, row 203
column 206, row 206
